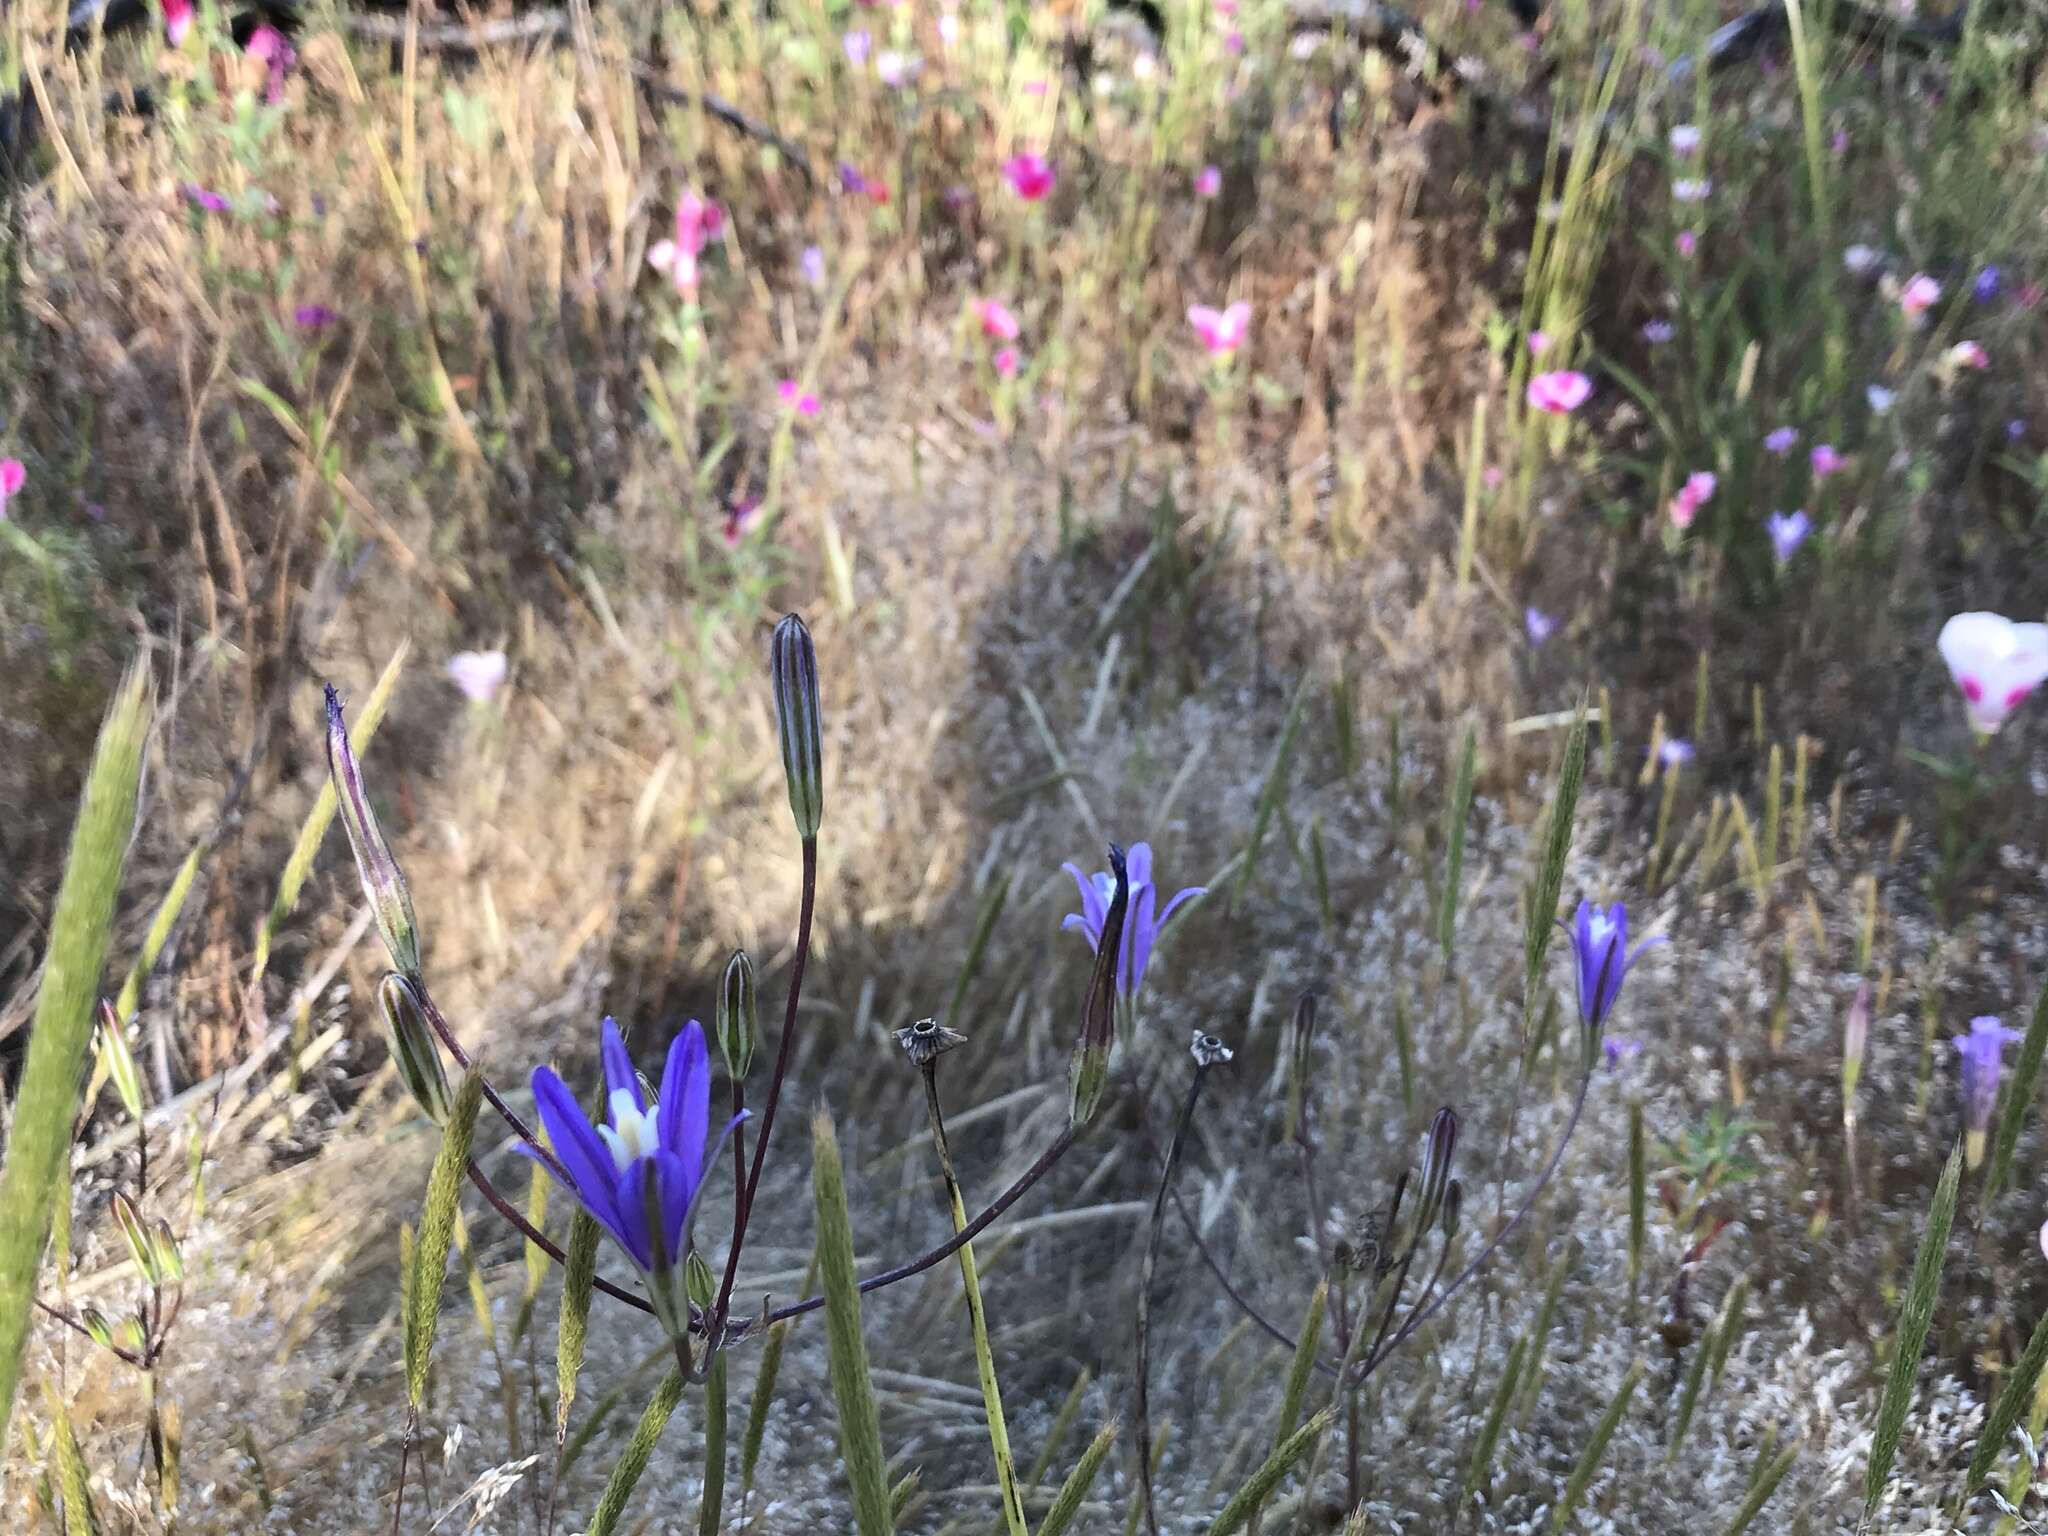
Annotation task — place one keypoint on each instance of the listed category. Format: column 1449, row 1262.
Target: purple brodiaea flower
column 1788, row 530
column 640, row 1172
column 1540, row 625
column 314, row 317
column 1142, row 926
column 1620, row 1050
column 201, row 197
column 1675, row 752
column 1983, row 1051
column 1600, row 948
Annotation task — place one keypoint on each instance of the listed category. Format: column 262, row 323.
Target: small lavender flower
column 1879, row 399
column 813, row 264
column 1619, row 1049
column 314, row 317
column 1600, row 949
column 1781, row 441
column 856, row 43
column 1540, row 625
column 1675, row 752
column 640, row 1172
column 1142, row 926
column 1983, row 1052
column 1987, row 286
column 1657, row 332
column 1788, row 530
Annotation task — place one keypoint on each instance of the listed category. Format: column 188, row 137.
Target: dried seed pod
column 927, row 1040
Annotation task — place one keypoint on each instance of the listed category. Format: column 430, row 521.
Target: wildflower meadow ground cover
column 900, row 767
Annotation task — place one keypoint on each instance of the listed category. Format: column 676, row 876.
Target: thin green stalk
column 1496, row 1416
column 2019, row 1098
column 33, row 1180
column 1914, row 1316
column 1067, row 1504
column 1588, row 1464
column 977, row 1319
column 1768, row 1476
column 853, row 1388
column 713, row 1503
column 633, row 1461
column 1297, row 1381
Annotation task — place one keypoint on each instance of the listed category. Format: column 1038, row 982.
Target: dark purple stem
column 782, row 1055
column 1423, row 1314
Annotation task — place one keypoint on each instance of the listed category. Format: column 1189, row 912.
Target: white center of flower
column 634, row 1133
column 1599, row 930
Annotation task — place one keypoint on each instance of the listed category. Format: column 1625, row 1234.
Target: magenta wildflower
column 796, row 398
column 1560, row 393
column 1031, row 177
column 1539, row 343
column 1222, row 332
column 13, row 475
column 1697, row 491
column 1208, row 181
column 997, row 323
column 270, row 48
column 1688, row 243
column 739, row 517
column 1824, row 461
column 178, row 16
column 1007, row 362
column 315, row 317
column 200, row 197
column 698, row 222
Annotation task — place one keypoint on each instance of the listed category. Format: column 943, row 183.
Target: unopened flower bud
column 136, row 1236
column 1436, row 1166
column 738, row 1016
column 97, row 1327
column 1454, row 1207
column 927, row 1040
column 163, row 1245
column 119, row 1061
column 1088, row 1073
column 793, row 670
column 699, row 1281
column 414, row 1051
column 383, row 882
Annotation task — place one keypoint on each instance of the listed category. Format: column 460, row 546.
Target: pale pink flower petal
column 1995, row 663
column 1222, row 330
column 1560, row 393
column 1007, row 363
column 477, row 673
column 1920, row 294
column 997, row 323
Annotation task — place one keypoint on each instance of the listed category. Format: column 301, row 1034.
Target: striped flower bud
column 793, row 670
column 383, row 882
column 738, row 1016
column 119, row 1061
column 414, row 1051
column 1437, row 1153
column 1454, row 1207
column 163, row 1247
column 1088, row 1073
column 97, row 1328
column 136, row 1236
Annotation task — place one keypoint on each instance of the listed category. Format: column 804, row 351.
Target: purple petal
column 678, row 1191
column 618, row 1066
column 579, row 1149
column 1139, row 932
column 632, row 1230
column 1094, row 907
column 686, row 1099
column 1174, row 905
column 1138, row 864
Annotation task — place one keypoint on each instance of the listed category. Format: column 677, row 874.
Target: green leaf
column 853, row 1388
column 33, row 1180
column 633, row 1461
column 1074, row 1490
column 437, row 1231
column 1596, row 1450
column 1914, row 1316
column 1276, row 1466
column 572, row 1320
column 1496, row 1416
column 2013, row 1398
column 2019, row 1097
column 1760, row 1491
column 1557, row 847
column 1454, row 839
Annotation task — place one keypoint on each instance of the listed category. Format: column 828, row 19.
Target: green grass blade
column 33, row 1180
column 437, row 1232
column 1557, row 847
column 1638, row 1196
column 2019, row 1097
column 757, row 1409
column 1056, row 1436
column 572, row 1318
column 1760, row 1492
column 2013, row 1398
column 1914, row 1316
column 74, row 1485
column 1298, row 1375
column 1454, row 840
column 984, row 928
column 160, row 930
column 1689, row 1395
column 853, row 1388
column 1260, row 1487
column 1596, row 1450
column 1496, row 1416
column 1539, row 1335
column 633, row 1461
column 1271, row 793
column 1075, row 1489
column 1731, row 1323
column 362, row 730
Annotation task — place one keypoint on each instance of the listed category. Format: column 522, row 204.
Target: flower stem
column 1144, row 1321
column 782, row 1055
column 970, row 1285
column 1422, row 1314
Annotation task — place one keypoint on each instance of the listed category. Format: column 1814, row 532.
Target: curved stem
column 1422, row 1314
column 745, row 1197
column 533, row 1235
column 1237, row 1298
column 496, row 1100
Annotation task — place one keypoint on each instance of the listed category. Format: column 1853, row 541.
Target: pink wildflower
column 1920, row 294
column 1697, row 491
column 698, row 222
column 13, row 473
column 1559, row 394
column 1208, row 181
column 997, row 323
column 1688, row 243
column 794, row 396
column 1968, row 354
column 1222, row 330
column 269, row 47
column 479, row 674
column 1007, row 363
column 178, row 16
column 1031, row 177
column 1825, row 461
column 1539, row 343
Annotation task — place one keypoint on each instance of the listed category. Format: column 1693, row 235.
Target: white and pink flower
column 698, row 222
column 1995, row 663
column 1559, row 393
column 1222, row 330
